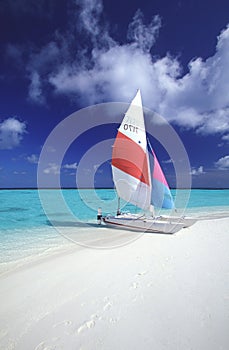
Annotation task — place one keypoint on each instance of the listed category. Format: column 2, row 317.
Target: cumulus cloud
column 198, row 171
column 35, row 90
column 70, row 166
column 19, row 172
column 226, row 137
column 144, row 36
column 55, row 169
column 11, row 133
column 52, row 169
column 168, row 161
column 198, row 99
column 97, row 68
column 77, row 69
column 89, row 16
column 223, row 163
column 32, row 159
column 96, row 169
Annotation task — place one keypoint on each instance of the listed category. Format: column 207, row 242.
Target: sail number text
column 131, row 128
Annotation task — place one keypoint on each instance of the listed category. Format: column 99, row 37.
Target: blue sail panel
column 161, row 196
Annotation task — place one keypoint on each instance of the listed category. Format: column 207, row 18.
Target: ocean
column 29, row 219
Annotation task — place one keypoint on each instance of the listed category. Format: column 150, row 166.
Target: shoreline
column 61, row 242
column 159, row 291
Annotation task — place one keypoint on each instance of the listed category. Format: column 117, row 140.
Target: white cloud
column 70, row 166
column 89, row 22
column 96, row 167
column 198, row 171
column 35, row 89
column 144, row 36
column 19, row 172
column 89, row 16
column 101, row 69
column 33, row 159
column 168, row 161
column 225, row 137
column 199, row 99
column 52, row 169
column 223, row 163
column 41, row 62
column 11, row 133
column 51, row 149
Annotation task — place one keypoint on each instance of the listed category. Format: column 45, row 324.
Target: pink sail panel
column 129, row 157
column 157, row 171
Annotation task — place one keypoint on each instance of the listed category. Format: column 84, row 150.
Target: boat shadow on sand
column 80, row 224
column 62, row 223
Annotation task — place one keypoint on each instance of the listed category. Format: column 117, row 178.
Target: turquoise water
column 25, row 228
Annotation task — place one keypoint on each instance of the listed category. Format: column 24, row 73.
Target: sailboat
column 136, row 183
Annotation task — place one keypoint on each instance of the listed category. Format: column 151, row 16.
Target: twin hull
column 143, row 224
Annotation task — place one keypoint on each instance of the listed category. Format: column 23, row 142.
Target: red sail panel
column 129, row 157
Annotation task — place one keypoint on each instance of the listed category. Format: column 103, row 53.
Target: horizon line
column 103, row 188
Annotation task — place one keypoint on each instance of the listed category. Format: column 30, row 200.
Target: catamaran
column 134, row 181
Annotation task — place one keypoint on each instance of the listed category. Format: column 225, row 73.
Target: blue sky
column 60, row 56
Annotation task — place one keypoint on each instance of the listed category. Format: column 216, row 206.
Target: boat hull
column 142, row 224
column 184, row 220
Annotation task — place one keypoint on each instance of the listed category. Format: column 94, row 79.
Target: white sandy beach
column 158, row 292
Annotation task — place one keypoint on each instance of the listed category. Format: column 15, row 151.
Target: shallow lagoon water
column 26, row 230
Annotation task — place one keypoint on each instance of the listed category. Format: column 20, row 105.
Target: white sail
column 130, row 162
column 132, row 178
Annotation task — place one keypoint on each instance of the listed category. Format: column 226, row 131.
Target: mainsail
column 134, row 181
column 130, row 162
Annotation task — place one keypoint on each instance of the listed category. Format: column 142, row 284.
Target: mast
column 130, row 163
column 118, row 209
